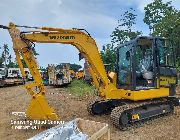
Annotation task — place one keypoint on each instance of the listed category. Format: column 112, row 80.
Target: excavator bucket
column 40, row 110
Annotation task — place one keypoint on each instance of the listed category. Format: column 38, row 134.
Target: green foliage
column 12, row 65
column 124, row 32
column 34, row 51
column 1, row 62
column 155, row 12
column 5, row 56
column 178, row 66
column 79, row 88
column 75, row 67
column 24, row 63
column 43, row 69
column 108, row 55
column 164, row 20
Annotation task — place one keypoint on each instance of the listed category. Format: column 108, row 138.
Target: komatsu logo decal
column 61, row 37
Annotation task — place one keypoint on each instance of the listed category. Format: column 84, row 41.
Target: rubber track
column 117, row 111
column 89, row 106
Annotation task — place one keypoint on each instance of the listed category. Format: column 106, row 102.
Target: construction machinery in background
column 72, row 74
column 79, row 75
column 12, row 76
column 59, row 77
column 44, row 76
column 87, row 72
column 142, row 88
column 87, row 75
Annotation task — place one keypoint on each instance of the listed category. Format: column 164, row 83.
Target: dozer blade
column 40, row 110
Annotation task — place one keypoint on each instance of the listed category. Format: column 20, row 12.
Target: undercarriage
column 127, row 114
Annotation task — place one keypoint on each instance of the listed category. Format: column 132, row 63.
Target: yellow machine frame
column 39, row 108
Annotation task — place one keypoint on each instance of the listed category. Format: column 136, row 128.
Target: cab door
column 124, row 67
column 167, row 73
column 144, row 64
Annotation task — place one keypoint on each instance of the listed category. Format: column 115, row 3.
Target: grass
column 80, row 87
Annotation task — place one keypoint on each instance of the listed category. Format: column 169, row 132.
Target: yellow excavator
column 142, row 88
column 79, row 75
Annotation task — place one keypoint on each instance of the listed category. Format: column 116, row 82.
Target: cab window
column 166, row 56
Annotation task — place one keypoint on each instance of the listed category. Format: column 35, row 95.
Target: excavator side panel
column 139, row 94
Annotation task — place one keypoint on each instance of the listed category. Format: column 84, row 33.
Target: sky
column 98, row 17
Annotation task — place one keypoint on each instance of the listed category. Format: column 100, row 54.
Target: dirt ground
column 69, row 107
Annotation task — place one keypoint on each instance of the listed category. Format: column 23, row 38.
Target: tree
column 108, row 55
column 9, row 58
column 6, row 58
column 34, row 51
column 13, row 65
column 164, row 20
column 155, row 12
column 24, row 63
column 124, row 32
column 5, row 54
column 1, row 62
column 10, row 63
column 75, row 67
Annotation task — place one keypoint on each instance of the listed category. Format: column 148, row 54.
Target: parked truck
column 10, row 76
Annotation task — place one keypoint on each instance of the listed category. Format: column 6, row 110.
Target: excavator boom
column 82, row 41
column 22, row 45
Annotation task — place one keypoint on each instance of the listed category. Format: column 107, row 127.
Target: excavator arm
column 83, row 42
column 38, row 108
column 22, row 45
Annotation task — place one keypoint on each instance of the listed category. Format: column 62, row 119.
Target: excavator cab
column 146, row 63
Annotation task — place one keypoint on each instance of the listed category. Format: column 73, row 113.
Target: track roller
column 100, row 107
column 129, row 116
